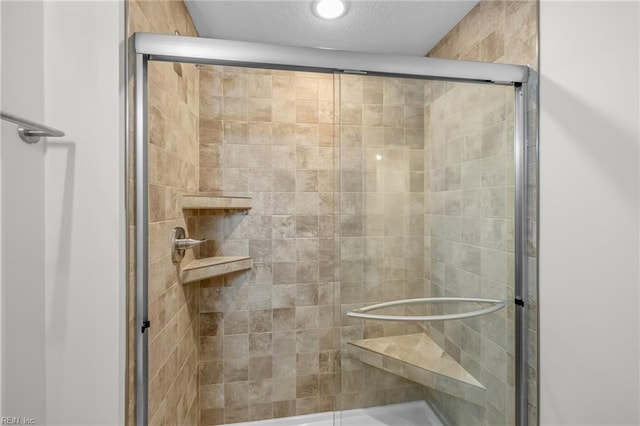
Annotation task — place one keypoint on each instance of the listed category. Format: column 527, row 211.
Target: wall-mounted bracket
column 30, row 131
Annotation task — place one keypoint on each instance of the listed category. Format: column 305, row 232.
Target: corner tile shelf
column 205, row 202
column 418, row 358
column 210, row 267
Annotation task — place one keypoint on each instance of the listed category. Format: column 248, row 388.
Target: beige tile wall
column 494, row 31
column 504, row 31
column 267, row 337
column 382, row 205
column 173, row 171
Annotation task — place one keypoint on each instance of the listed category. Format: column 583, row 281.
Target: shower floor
column 417, row 413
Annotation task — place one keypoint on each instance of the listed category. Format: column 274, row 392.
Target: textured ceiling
column 382, row 26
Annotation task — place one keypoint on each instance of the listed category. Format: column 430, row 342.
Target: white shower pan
column 416, row 413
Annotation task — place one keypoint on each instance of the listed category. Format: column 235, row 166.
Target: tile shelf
column 209, row 267
column 418, row 358
column 218, row 202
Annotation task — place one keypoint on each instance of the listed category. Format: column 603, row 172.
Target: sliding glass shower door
column 427, row 226
column 377, row 270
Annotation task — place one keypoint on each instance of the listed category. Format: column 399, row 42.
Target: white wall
column 589, row 224
column 22, row 204
column 85, row 221
column 63, row 221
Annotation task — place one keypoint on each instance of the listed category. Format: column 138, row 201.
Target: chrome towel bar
column 496, row 305
column 30, row 131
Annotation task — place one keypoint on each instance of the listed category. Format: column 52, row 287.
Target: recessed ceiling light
column 329, row 9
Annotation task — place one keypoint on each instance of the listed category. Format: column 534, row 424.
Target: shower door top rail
column 496, row 305
column 30, row 131
column 200, row 50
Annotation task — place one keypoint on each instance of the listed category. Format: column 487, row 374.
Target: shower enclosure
column 369, row 224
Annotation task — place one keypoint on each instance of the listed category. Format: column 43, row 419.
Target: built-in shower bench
column 418, row 358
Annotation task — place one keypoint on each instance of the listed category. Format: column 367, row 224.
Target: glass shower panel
column 382, row 202
column 426, row 211
column 472, row 239
column 260, row 342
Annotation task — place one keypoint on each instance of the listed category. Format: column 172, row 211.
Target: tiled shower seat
column 418, row 358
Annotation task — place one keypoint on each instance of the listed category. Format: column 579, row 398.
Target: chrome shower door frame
column 168, row 48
